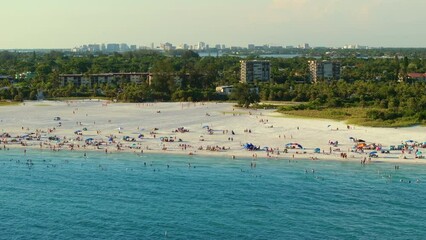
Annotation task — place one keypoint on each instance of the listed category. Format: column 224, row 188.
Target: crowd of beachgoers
column 198, row 128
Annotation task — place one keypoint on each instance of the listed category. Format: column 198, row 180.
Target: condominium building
column 255, row 70
column 324, row 70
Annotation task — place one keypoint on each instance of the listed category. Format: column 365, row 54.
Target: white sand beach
column 205, row 128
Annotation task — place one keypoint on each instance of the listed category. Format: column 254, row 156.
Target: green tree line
column 184, row 76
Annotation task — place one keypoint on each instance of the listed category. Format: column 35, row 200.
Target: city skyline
column 327, row 23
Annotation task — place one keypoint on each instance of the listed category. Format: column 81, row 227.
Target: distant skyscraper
column 201, row 46
column 250, row 47
column 113, row 47
column 94, row 47
column 167, row 46
column 124, row 47
column 305, row 46
column 324, row 70
column 255, row 70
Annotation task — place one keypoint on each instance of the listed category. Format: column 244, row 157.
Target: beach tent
column 89, row 140
column 373, row 154
column 317, row 150
column 250, row 147
column 293, row 145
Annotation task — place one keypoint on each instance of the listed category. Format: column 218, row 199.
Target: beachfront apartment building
column 324, row 70
column 102, row 78
column 255, row 70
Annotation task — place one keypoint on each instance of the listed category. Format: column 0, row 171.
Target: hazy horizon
column 50, row 24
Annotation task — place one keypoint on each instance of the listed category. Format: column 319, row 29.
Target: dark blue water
column 65, row 196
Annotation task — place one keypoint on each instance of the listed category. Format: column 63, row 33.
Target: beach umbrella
column 419, row 153
column 409, row 141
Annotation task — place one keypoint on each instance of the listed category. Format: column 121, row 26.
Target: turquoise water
column 66, row 196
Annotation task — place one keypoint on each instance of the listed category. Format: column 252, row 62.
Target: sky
column 329, row 23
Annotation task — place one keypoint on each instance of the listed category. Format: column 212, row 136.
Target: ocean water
column 64, row 195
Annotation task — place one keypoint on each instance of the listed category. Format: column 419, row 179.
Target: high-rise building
column 201, row 46
column 167, row 46
column 324, row 70
column 255, row 70
column 94, row 48
column 124, row 47
column 113, row 47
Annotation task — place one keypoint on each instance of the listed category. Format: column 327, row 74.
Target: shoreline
column 225, row 155
column 191, row 128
